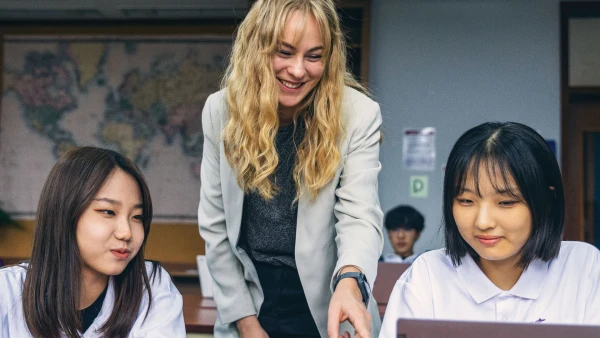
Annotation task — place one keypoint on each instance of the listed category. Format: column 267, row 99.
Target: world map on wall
column 138, row 97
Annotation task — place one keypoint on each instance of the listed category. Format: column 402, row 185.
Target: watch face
column 366, row 283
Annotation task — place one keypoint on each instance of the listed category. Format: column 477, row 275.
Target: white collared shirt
column 165, row 318
column 565, row 290
column 394, row 258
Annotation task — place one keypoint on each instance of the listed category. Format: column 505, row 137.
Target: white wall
column 453, row 65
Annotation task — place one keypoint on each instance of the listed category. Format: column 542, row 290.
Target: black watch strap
column 361, row 280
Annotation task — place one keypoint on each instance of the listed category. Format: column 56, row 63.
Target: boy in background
column 404, row 225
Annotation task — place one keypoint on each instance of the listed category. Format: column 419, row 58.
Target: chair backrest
column 417, row 328
column 387, row 275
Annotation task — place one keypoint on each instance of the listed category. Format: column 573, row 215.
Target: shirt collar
column 475, row 281
column 482, row 289
column 532, row 280
column 394, row 258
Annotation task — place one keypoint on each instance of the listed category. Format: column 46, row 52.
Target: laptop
column 418, row 328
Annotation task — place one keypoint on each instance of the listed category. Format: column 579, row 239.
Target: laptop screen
column 417, row 328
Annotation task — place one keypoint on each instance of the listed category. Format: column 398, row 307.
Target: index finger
column 333, row 322
column 360, row 323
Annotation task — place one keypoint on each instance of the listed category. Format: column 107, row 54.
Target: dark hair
column 518, row 152
column 51, row 290
column 405, row 217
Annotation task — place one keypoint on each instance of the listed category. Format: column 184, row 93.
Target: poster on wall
column 418, row 149
column 140, row 96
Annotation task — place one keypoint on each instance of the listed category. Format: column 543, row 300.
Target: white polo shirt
column 565, row 290
column 394, row 258
column 165, row 318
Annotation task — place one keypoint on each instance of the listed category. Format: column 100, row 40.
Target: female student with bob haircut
column 87, row 276
column 504, row 259
column 288, row 201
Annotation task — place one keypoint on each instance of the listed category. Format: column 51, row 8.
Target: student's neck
column 92, row 286
column 504, row 274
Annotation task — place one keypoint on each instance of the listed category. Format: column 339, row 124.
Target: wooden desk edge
column 199, row 328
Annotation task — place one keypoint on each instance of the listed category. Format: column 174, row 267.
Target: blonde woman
column 288, row 205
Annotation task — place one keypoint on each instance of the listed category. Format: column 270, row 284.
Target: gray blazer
column 341, row 226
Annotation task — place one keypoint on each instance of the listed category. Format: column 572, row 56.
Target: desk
column 193, row 300
column 199, row 315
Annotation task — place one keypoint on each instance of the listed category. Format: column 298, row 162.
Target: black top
column 268, row 231
column 91, row 312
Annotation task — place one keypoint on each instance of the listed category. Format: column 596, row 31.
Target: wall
column 455, row 64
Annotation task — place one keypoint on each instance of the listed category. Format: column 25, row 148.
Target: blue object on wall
column 552, row 145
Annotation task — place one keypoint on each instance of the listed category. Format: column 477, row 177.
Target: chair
column 387, row 275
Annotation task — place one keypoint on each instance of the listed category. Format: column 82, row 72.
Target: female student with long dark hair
column 288, row 202
column 87, row 276
column 504, row 259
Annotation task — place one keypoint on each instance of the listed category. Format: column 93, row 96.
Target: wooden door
column 580, row 170
column 580, row 117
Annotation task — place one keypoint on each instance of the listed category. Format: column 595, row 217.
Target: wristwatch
column 361, row 280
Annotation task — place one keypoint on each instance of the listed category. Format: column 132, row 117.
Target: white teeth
column 290, row 85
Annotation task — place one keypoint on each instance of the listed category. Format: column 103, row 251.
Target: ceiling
column 120, row 9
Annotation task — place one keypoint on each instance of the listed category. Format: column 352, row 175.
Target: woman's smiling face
column 298, row 63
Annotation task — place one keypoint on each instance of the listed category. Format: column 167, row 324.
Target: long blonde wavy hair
column 252, row 100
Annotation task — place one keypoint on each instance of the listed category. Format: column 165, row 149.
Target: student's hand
column 346, row 304
column 249, row 327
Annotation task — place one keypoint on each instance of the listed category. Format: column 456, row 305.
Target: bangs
column 496, row 168
column 304, row 10
column 303, row 14
column 325, row 31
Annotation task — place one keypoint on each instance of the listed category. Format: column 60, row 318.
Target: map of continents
column 141, row 98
